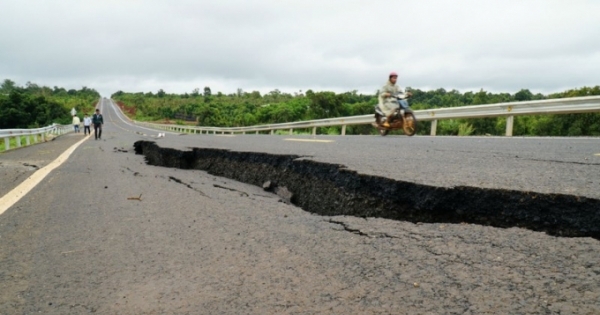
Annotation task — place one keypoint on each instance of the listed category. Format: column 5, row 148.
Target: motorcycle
column 403, row 118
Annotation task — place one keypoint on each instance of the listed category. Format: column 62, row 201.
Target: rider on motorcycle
column 390, row 98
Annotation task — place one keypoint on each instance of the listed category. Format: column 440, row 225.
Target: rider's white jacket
column 389, row 104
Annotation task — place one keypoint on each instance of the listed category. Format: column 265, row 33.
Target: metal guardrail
column 509, row 110
column 37, row 135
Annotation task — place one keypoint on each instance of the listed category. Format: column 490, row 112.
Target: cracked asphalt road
column 199, row 244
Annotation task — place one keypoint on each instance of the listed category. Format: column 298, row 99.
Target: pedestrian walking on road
column 87, row 122
column 98, row 121
column 76, row 123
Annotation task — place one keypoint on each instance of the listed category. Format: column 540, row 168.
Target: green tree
column 7, row 86
column 324, row 104
column 523, row 95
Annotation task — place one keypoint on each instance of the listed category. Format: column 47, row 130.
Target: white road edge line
column 27, row 185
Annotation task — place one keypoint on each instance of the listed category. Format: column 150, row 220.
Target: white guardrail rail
column 509, row 110
column 32, row 135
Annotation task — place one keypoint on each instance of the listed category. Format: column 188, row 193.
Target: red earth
column 128, row 110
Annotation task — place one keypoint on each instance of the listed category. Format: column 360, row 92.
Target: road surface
column 107, row 234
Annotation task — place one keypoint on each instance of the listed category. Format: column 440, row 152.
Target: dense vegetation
column 245, row 109
column 36, row 106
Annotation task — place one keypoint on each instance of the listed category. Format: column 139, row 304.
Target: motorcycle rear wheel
column 410, row 124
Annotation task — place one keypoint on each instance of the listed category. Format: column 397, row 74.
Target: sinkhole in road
column 332, row 189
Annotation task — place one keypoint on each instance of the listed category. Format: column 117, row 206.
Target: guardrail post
column 43, row 136
column 243, row 132
column 291, row 131
column 18, row 138
column 433, row 127
column 509, row 125
column 256, row 131
column 6, row 143
column 343, row 130
column 271, row 132
column 314, row 132
column 28, row 140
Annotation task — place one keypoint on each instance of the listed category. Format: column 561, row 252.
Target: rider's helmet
column 393, row 74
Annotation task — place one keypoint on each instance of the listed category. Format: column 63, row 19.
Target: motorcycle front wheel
column 410, row 124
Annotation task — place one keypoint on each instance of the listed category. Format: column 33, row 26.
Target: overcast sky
column 291, row 45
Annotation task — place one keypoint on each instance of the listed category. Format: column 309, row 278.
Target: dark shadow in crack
column 331, row 189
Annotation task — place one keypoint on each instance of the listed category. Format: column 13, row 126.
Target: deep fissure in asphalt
column 331, row 189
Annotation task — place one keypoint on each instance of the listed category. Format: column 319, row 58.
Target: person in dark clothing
column 98, row 121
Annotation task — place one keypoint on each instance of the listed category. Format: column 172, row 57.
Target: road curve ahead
column 106, row 233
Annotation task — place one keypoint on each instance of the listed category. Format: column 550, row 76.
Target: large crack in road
column 332, row 189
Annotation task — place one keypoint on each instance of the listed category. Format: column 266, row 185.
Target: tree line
column 34, row 106
column 252, row 108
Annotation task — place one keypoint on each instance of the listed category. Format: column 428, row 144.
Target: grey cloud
column 296, row 45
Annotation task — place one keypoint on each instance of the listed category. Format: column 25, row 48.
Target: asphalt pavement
column 107, row 234
column 18, row 164
column 541, row 164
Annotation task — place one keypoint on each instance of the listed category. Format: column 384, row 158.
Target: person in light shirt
column 391, row 97
column 87, row 122
column 76, row 123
